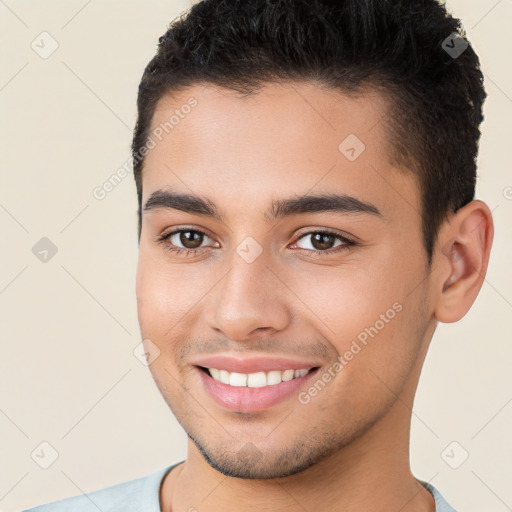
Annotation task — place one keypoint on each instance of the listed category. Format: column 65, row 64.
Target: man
column 305, row 174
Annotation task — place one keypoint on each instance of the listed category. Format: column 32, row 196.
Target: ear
column 465, row 245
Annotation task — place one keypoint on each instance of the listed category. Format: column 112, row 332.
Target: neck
column 376, row 462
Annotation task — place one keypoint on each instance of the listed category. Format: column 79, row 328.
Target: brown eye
column 190, row 239
column 186, row 241
column 320, row 241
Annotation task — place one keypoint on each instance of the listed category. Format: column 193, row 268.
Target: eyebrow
column 302, row 204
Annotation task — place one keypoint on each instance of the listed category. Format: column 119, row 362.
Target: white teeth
column 258, row 379
column 274, row 377
column 288, row 375
column 237, row 379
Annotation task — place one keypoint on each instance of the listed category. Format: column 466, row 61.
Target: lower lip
column 246, row 399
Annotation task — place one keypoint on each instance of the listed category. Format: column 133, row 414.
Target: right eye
column 184, row 240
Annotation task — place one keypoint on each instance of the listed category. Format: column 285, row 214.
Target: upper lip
column 252, row 364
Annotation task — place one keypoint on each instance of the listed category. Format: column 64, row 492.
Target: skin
column 353, row 436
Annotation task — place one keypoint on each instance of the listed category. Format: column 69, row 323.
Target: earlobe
column 464, row 256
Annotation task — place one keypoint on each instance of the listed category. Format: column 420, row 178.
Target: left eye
column 322, row 241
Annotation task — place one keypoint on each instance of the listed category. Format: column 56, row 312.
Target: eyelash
column 347, row 243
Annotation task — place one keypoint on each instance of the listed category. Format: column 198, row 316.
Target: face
column 277, row 236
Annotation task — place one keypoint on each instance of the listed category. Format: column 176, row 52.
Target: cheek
column 343, row 301
column 161, row 294
column 158, row 297
column 369, row 315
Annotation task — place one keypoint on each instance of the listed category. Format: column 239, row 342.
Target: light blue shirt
column 143, row 495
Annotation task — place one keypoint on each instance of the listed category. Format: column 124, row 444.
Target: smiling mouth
column 258, row 379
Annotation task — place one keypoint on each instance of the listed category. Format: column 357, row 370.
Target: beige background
column 69, row 326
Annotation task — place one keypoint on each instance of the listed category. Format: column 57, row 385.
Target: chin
column 251, row 463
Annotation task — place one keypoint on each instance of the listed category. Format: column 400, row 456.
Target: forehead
column 290, row 137
column 296, row 111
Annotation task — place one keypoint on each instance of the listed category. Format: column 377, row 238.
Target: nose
column 249, row 301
